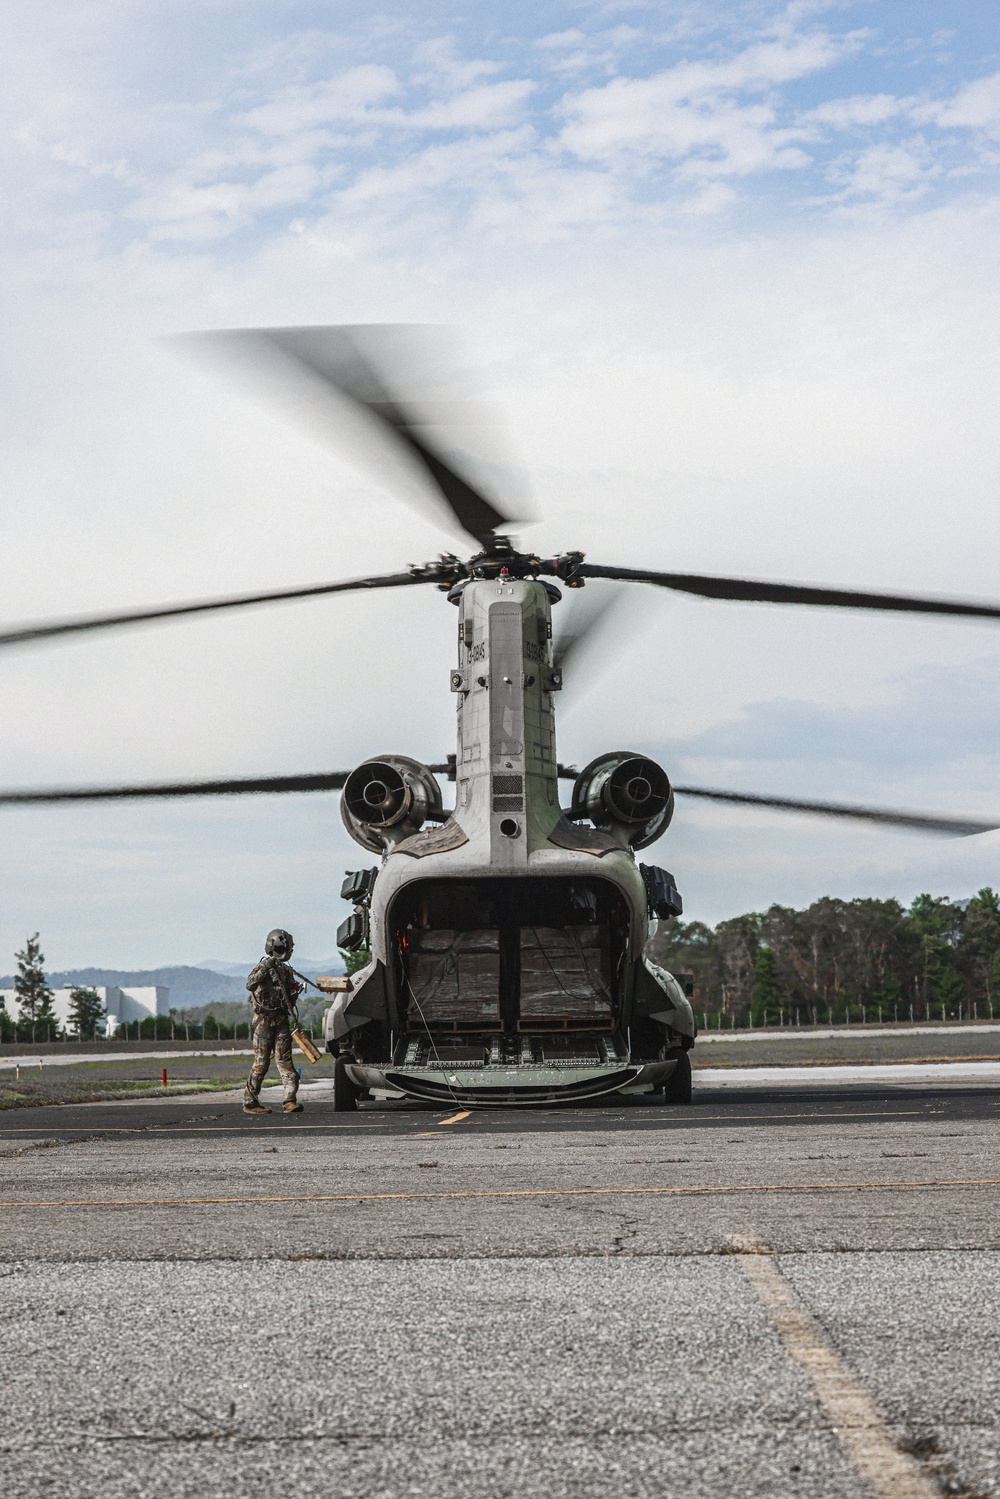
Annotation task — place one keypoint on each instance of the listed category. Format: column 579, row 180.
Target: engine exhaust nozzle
column 388, row 799
column 629, row 795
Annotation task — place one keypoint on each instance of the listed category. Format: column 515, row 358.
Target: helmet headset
column 279, row 944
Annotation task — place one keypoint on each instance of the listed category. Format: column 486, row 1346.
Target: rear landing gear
column 677, row 1088
column 345, row 1090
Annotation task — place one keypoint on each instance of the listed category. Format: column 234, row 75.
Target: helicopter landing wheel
column 345, row 1090
column 677, row 1088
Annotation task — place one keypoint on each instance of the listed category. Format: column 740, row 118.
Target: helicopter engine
column 387, row 799
column 627, row 795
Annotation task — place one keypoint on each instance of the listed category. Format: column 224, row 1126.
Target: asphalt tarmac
column 767, row 1293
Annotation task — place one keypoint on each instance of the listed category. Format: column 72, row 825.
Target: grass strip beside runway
column 117, row 1079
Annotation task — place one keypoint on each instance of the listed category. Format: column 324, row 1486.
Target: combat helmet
column 279, row 944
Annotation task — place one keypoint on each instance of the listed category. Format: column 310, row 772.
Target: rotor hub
column 500, row 559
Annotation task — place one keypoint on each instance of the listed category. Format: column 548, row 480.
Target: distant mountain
column 228, row 970
column 309, row 966
column 188, row 986
column 208, row 983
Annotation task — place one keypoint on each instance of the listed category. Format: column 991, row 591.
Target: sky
column 729, row 276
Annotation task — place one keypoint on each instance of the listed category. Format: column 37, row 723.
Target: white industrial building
column 123, row 1005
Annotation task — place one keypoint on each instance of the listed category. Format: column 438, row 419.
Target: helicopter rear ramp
column 501, row 1086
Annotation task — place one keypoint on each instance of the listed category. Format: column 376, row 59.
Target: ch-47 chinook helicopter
column 508, row 934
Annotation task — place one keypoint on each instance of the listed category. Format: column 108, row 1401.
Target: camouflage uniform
column 273, row 991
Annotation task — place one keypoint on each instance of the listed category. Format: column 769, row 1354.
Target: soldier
column 273, row 992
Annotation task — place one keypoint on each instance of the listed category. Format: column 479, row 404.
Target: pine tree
column 356, row 959
column 86, row 1013
column 939, row 925
column 980, row 945
column 33, row 993
column 994, row 983
column 764, row 997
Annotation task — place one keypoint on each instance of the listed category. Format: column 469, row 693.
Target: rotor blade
column 43, row 630
column 586, row 610
column 956, row 827
column 331, row 780
column 395, row 375
column 325, row 780
column 750, row 591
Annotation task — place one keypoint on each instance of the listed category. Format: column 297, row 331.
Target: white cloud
column 974, row 107
column 679, row 140
column 491, row 106
column 346, row 98
column 558, row 40
column 470, row 164
column 690, row 114
column 888, row 173
column 287, row 153
column 710, row 198
column 443, row 60
column 188, row 212
column 574, row 51
column 859, row 110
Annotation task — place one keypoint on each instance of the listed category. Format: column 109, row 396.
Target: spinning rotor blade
column 920, row 822
column 588, row 608
column 324, row 780
column 955, row 827
column 43, row 630
column 331, row 780
column 749, row 591
column 392, row 374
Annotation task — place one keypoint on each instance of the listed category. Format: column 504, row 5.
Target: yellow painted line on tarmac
column 719, row 1191
column 887, row 1472
column 456, row 1117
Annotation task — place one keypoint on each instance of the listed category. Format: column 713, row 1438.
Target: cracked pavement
column 540, row 1302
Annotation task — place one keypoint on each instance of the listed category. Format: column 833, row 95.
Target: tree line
column 842, row 960
column 37, row 1018
column 87, row 1013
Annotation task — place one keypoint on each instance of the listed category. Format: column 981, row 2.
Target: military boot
column 292, row 1106
column 254, row 1106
